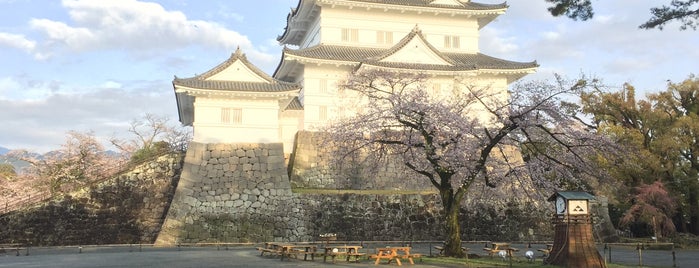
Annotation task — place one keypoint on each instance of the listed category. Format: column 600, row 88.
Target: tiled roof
column 426, row 3
column 236, row 56
column 415, row 33
column 277, row 86
column 201, row 82
column 462, row 61
column 295, row 104
column 572, row 196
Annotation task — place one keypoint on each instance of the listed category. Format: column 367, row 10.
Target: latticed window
column 231, row 116
column 323, row 113
column 451, row 41
column 436, row 89
column 383, row 37
column 350, row 35
column 323, row 86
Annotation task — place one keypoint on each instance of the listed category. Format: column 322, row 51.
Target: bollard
column 640, row 254
column 80, row 249
column 674, row 260
column 604, row 255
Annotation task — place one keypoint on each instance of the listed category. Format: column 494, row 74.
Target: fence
column 642, row 254
column 40, row 196
column 22, row 202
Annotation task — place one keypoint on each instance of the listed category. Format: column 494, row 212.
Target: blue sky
column 94, row 65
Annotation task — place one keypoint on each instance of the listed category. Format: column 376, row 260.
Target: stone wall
column 233, row 193
column 128, row 208
column 311, row 166
column 242, row 193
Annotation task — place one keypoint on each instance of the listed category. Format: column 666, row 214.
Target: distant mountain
column 4, row 159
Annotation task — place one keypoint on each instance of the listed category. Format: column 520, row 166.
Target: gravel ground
column 146, row 256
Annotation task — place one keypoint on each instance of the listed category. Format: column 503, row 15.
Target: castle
column 253, row 136
column 325, row 40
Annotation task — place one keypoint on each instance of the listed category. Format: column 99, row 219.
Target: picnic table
column 496, row 247
column 351, row 251
column 394, row 253
column 546, row 251
column 288, row 250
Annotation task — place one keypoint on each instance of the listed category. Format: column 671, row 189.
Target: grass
column 495, row 262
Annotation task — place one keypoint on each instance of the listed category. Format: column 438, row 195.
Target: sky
column 96, row 65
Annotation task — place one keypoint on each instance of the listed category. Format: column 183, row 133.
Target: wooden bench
column 355, row 255
column 13, row 247
column 269, row 250
column 497, row 247
column 441, row 250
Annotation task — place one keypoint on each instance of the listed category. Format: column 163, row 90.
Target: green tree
column 7, row 171
column 686, row 12
column 662, row 137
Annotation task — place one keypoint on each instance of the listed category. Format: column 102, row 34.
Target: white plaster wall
column 260, row 121
column 290, row 122
column 314, row 98
column 369, row 22
column 237, row 72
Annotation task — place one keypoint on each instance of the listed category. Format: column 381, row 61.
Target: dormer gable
column 414, row 48
column 236, row 68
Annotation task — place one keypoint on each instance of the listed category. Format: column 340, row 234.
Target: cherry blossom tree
column 476, row 135
column 81, row 159
column 654, row 207
column 150, row 135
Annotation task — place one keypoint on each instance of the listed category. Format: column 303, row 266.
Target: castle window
column 350, row 35
column 231, row 116
column 383, row 37
column 323, row 86
column 451, row 41
column 436, row 89
column 323, row 113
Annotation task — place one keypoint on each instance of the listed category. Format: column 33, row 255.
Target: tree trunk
column 452, row 205
column 693, row 201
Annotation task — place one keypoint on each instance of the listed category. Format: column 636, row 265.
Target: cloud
column 105, row 110
column 17, row 41
column 134, row 26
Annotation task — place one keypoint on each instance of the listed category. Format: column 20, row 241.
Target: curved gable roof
column 415, row 33
column 207, row 79
column 359, row 55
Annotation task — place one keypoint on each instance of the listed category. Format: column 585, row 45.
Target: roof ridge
column 237, row 55
column 415, row 32
column 363, row 54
